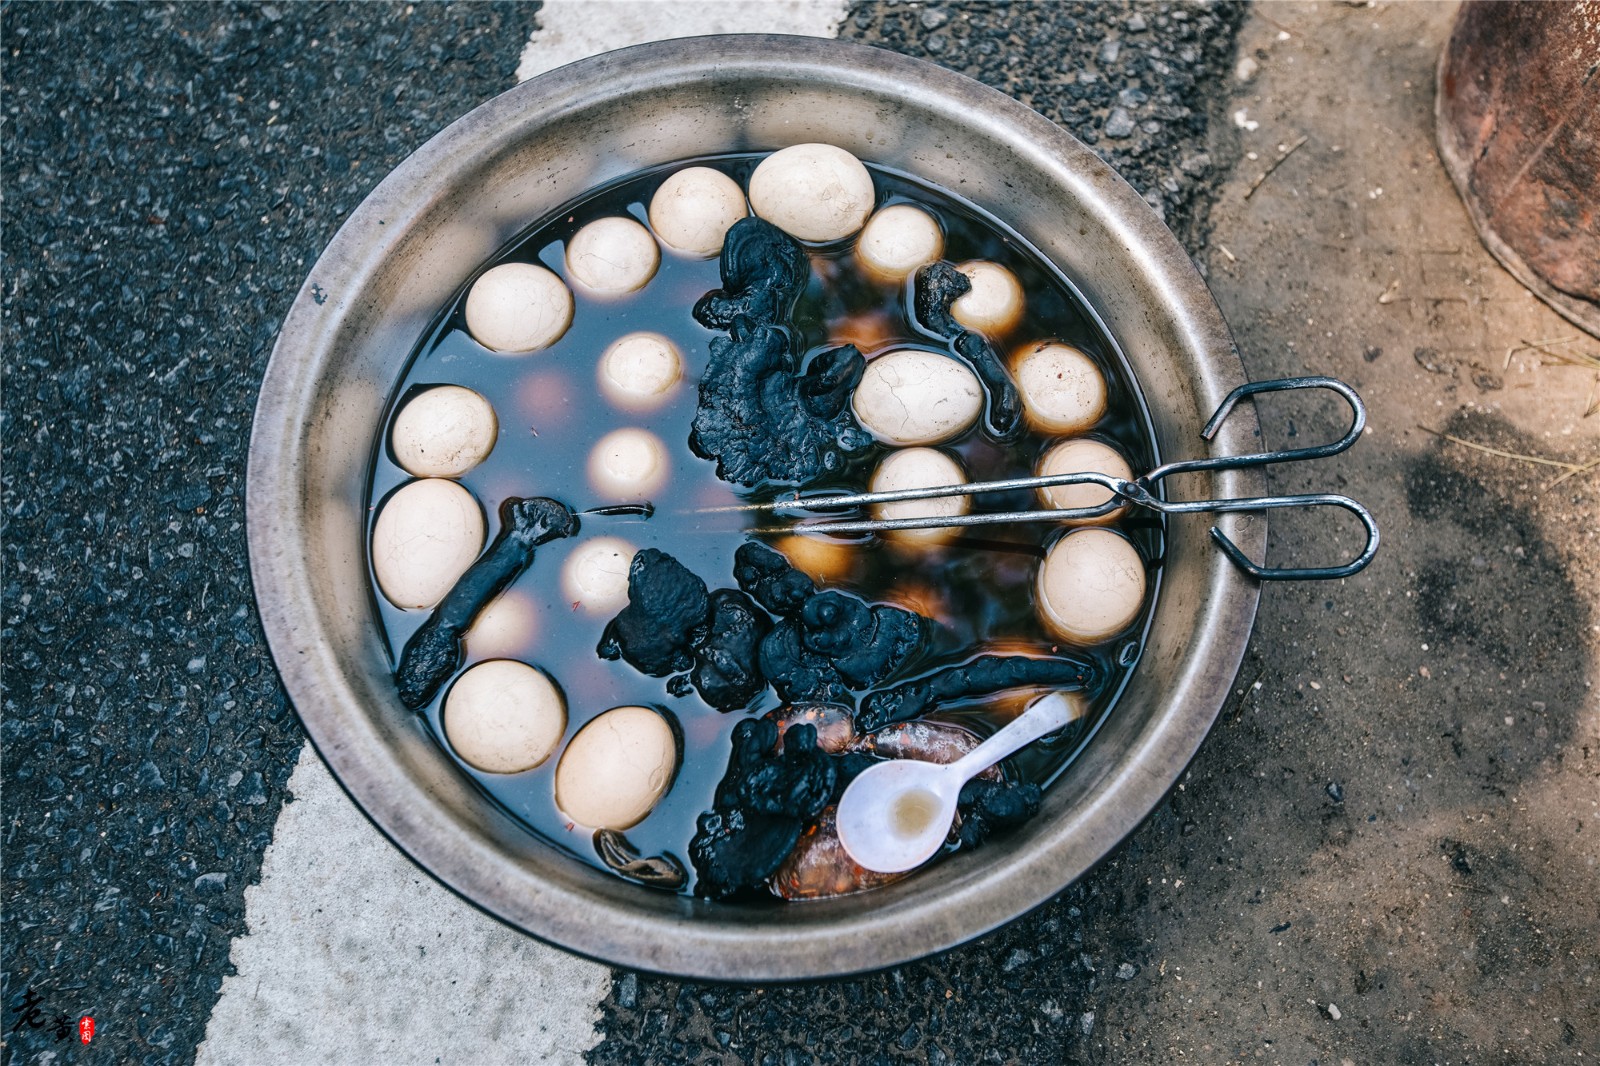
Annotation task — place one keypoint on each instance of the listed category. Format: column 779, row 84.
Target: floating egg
column 617, row 768
column 899, row 240
column 1083, row 455
column 518, row 307
column 628, row 464
column 994, row 304
column 595, row 575
column 920, row 468
column 505, row 627
column 1062, row 389
column 639, row 372
column 815, row 192
column 915, row 397
column 612, row 256
column 427, row 533
column 443, row 432
column 1090, row 586
column 504, row 717
column 693, row 209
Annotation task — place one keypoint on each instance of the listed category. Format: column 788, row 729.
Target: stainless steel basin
column 463, row 196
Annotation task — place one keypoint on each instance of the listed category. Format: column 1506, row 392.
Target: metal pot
column 466, row 193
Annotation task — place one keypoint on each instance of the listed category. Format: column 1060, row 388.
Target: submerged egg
column 693, row 209
column 612, row 256
column 819, row 558
column 518, row 307
column 504, row 717
column 919, row 468
column 994, row 305
column 639, row 372
column 815, row 192
column 628, row 464
column 897, row 241
column 1062, row 389
column 505, row 627
column 617, row 768
column 443, row 432
column 427, row 533
column 1083, row 455
column 1090, row 586
column 915, row 397
column 595, row 575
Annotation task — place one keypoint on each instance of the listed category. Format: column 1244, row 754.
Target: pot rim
column 695, row 938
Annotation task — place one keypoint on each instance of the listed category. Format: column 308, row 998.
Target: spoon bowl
column 894, row 815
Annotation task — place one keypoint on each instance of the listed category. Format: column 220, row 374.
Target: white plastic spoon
column 895, row 815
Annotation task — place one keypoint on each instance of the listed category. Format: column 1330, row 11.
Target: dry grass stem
column 1276, row 163
column 1572, row 469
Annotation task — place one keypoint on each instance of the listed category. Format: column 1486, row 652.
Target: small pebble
column 1120, row 124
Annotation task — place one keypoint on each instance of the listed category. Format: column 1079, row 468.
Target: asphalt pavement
column 1392, row 829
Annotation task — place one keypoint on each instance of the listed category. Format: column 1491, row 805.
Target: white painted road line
column 355, row 955
column 575, row 29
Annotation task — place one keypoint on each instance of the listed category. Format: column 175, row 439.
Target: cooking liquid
column 979, row 589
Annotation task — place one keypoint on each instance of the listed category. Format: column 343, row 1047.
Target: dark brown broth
column 551, row 414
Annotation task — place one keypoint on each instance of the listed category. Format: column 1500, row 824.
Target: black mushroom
column 976, row 677
column 763, row 417
column 826, row 643
column 937, row 286
column 434, row 651
column 764, row 799
column 672, row 625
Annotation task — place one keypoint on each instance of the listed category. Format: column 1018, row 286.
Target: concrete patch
column 355, row 956
column 575, row 29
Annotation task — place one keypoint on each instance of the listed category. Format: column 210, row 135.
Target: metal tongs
column 1141, row 491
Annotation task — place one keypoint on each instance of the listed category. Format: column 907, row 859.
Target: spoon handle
column 1043, row 716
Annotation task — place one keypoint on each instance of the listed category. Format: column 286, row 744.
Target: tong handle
column 1358, row 422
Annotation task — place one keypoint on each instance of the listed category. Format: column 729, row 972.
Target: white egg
column 898, row 241
column 639, row 372
column 518, row 307
column 428, row 532
column 1083, row 455
column 506, row 627
column 443, row 432
column 617, row 768
column 595, row 575
column 612, row 256
column 920, row 468
column 504, row 717
column 1062, row 389
column 914, row 397
column 692, row 210
column 1090, row 586
column 994, row 304
column 628, row 464
column 815, row 192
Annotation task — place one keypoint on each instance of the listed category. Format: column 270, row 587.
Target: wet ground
column 1386, row 853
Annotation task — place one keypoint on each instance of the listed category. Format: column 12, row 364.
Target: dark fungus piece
column 763, row 270
column 434, row 651
column 976, row 677
column 986, row 806
column 758, row 417
column 767, row 575
column 727, row 667
column 795, row 781
column 625, row 860
column 668, row 612
column 866, row 643
column 735, row 849
column 937, row 286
